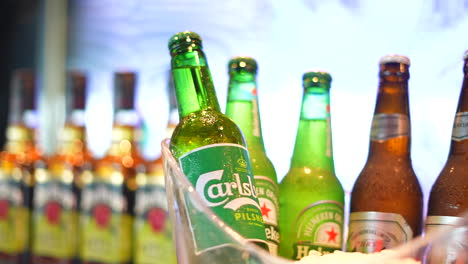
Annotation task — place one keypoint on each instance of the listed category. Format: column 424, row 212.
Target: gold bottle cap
column 395, row 58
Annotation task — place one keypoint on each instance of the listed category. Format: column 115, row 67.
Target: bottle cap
column 395, row 58
column 315, row 78
column 183, row 39
column 242, row 63
column 465, row 57
column 124, row 90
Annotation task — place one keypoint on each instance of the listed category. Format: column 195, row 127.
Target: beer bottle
column 152, row 226
column 449, row 195
column 386, row 199
column 56, row 195
column 108, row 194
column 242, row 108
column 311, row 196
column 16, row 170
column 211, row 149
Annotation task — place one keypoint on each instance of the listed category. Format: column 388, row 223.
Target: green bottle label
column 55, row 220
column 319, row 227
column 153, row 229
column 267, row 191
column 221, row 174
column 14, row 217
column 106, row 226
column 375, row 231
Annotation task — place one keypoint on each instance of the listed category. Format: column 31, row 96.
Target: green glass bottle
column 311, row 196
column 242, row 107
column 210, row 148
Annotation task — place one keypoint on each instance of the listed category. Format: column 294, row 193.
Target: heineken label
column 153, row 230
column 460, row 127
column 267, row 191
column 55, row 220
column 452, row 248
column 106, row 223
column 388, row 126
column 319, row 227
column 221, row 175
column 14, row 217
column 374, row 231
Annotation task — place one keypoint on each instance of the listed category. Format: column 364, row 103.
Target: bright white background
column 287, row 38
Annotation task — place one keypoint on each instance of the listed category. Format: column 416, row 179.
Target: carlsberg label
column 221, row 175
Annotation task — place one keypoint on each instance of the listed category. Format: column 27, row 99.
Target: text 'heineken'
column 386, row 200
column 311, row 196
column 242, row 107
column 210, row 147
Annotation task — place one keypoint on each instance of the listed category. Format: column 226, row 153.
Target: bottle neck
column 73, row 140
column 20, row 139
column 242, row 107
column 192, row 79
column 391, row 130
column 124, row 141
column 459, row 144
column 313, row 147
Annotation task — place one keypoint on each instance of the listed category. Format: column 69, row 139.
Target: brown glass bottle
column 449, row 194
column 16, row 170
column 386, row 200
column 57, row 189
column 107, row 200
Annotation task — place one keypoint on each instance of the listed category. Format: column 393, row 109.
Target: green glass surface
column 242, row 107
column 311, row 177
column 201, row 121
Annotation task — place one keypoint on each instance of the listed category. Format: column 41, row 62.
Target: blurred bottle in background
column 16, row 171
column 58, row 185
column 386, row 200
column 242, row 108
column 108, row 193
column 153, row 240
column 311, row 196
column 449, row 194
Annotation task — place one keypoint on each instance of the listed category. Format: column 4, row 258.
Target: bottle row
column 70, row 207
column 113, row 209
column 305, row 211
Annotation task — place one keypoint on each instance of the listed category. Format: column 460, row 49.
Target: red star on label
column 265, row 210
column 331, row 235
column 379, row 245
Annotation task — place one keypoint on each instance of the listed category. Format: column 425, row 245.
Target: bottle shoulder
column 203, row 128
column 311, row 180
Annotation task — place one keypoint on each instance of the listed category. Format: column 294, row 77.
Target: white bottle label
column 452, row 248
column 460, row 127
column 387, row 126
column 375, row 231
